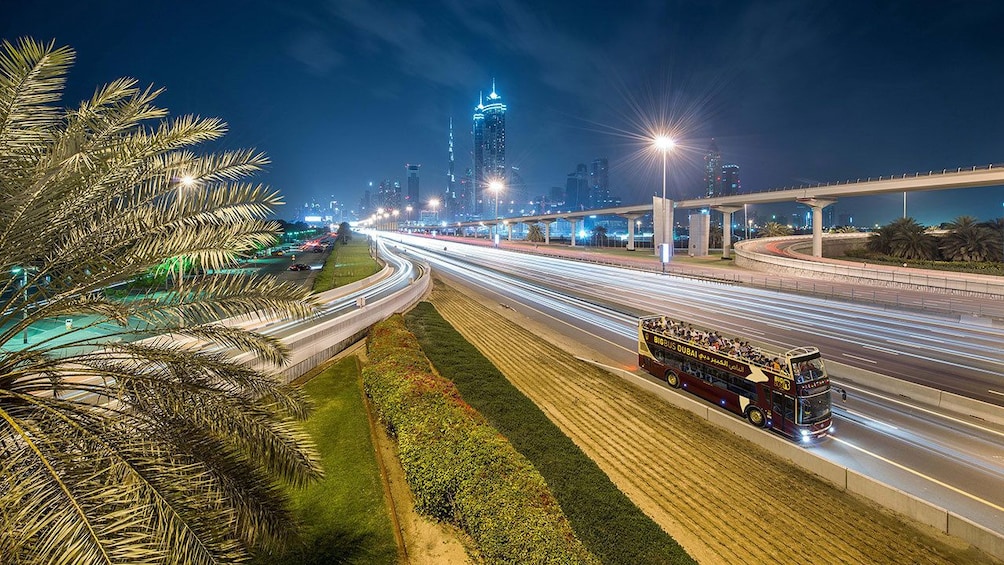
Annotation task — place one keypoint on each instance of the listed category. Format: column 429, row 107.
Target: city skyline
column 346, row 93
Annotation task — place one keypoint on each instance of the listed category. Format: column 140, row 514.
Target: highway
column 952, row 461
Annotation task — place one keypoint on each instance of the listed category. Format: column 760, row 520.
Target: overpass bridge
column 816, row 197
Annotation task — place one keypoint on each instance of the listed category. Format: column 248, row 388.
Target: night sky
column 346, row 92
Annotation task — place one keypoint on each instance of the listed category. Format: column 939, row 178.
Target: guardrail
column 876, row 276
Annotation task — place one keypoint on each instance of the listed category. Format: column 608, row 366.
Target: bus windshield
column 815, row 408
column 808, row 369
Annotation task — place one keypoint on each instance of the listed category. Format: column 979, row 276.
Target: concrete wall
column 846, row 271
column 841, row 477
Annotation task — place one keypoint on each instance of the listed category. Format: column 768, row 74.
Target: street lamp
column 496, row 186
column 664, row 144
column 408, row 209
column 434, row 203
column 183, row 182
column 23, row 271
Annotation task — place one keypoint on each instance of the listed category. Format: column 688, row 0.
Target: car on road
column 299, row 267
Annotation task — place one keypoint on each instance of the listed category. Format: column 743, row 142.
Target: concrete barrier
column 898, row 501
column 839, row 476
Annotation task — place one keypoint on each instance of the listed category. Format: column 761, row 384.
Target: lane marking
column 869, row 418
column 919, row 408
column 921, row 475
column 872, row 361
column 995, row 392
column 882, row 349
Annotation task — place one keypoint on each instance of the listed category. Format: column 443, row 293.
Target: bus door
column 782, row 408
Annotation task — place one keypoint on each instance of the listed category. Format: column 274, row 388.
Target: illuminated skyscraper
column 449, row 203
column 412, row 197
column 489, row 149
column 713, row 171
column 730, row 179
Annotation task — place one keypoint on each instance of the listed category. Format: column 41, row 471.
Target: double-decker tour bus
column 788, row 392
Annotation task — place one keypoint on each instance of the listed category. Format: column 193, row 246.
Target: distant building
column 412, row 197
column 577, row 189
column 599, row 183
column 730, row 180
column 713, row 171
column 449, row 203
column 489, row 149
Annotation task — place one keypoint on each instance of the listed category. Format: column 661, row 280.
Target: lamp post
column 746, row 219
column 496, row 186
column 408, row 209
column 183, row 182
column 23, row 271
column 434, row 204
column 665, row 144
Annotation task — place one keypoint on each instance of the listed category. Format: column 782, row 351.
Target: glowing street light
column 408, row 209
column 434, row 204
column 664, row 144
column 496, row 186
column 183, row 182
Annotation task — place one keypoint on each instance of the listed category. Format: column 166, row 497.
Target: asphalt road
column 955, row 462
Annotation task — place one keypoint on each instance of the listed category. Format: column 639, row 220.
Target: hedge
column 610, row 526
column 459, row 468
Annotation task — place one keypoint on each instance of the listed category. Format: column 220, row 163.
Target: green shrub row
column 459, row 468
column 979, row 268
column 603, row 517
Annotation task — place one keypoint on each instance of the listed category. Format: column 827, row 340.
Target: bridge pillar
column 726, row 227
column 631, row 219
column 547, row 230
column 574, row 223
column 817, row 205
column 662, row 223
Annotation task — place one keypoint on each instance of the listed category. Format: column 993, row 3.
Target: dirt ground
column 723, row 499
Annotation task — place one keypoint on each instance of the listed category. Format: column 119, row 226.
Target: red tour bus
column 788, row 393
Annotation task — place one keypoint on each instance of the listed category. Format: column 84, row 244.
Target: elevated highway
column 816, row 197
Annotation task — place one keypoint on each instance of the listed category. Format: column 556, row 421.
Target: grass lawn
column 345, row 517
column 346, row 264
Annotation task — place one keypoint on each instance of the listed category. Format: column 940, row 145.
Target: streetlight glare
column 187, row 180
column 664, row 143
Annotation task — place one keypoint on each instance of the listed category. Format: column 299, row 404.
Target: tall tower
column 489, row 147
column 713, row 171
column 413, row 193
column 730, row 179
column 599, row 184
column 449, row 203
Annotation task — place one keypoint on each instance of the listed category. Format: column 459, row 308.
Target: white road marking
column 860, row 358
column 882, row 349
column 921, row 475
column 995, row 392
column 863, row 417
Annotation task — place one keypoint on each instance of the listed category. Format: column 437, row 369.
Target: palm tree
column 534, row 233
column 600, row 236
column 910, row 240
column 774, row 229
column 996, row 227
column 968, row 240
column 140, row 446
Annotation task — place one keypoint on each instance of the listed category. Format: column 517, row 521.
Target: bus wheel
column 755, row 416
column 673, row 379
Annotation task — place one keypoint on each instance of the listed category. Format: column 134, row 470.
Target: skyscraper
column 599, row 184
column 412, row 197
column 577, row 188
column 713, row 171
column 449, row 204
column 730, row 179
column 489, row 148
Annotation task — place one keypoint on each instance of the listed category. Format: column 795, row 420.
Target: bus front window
column 808, row 369
column 814, row 408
